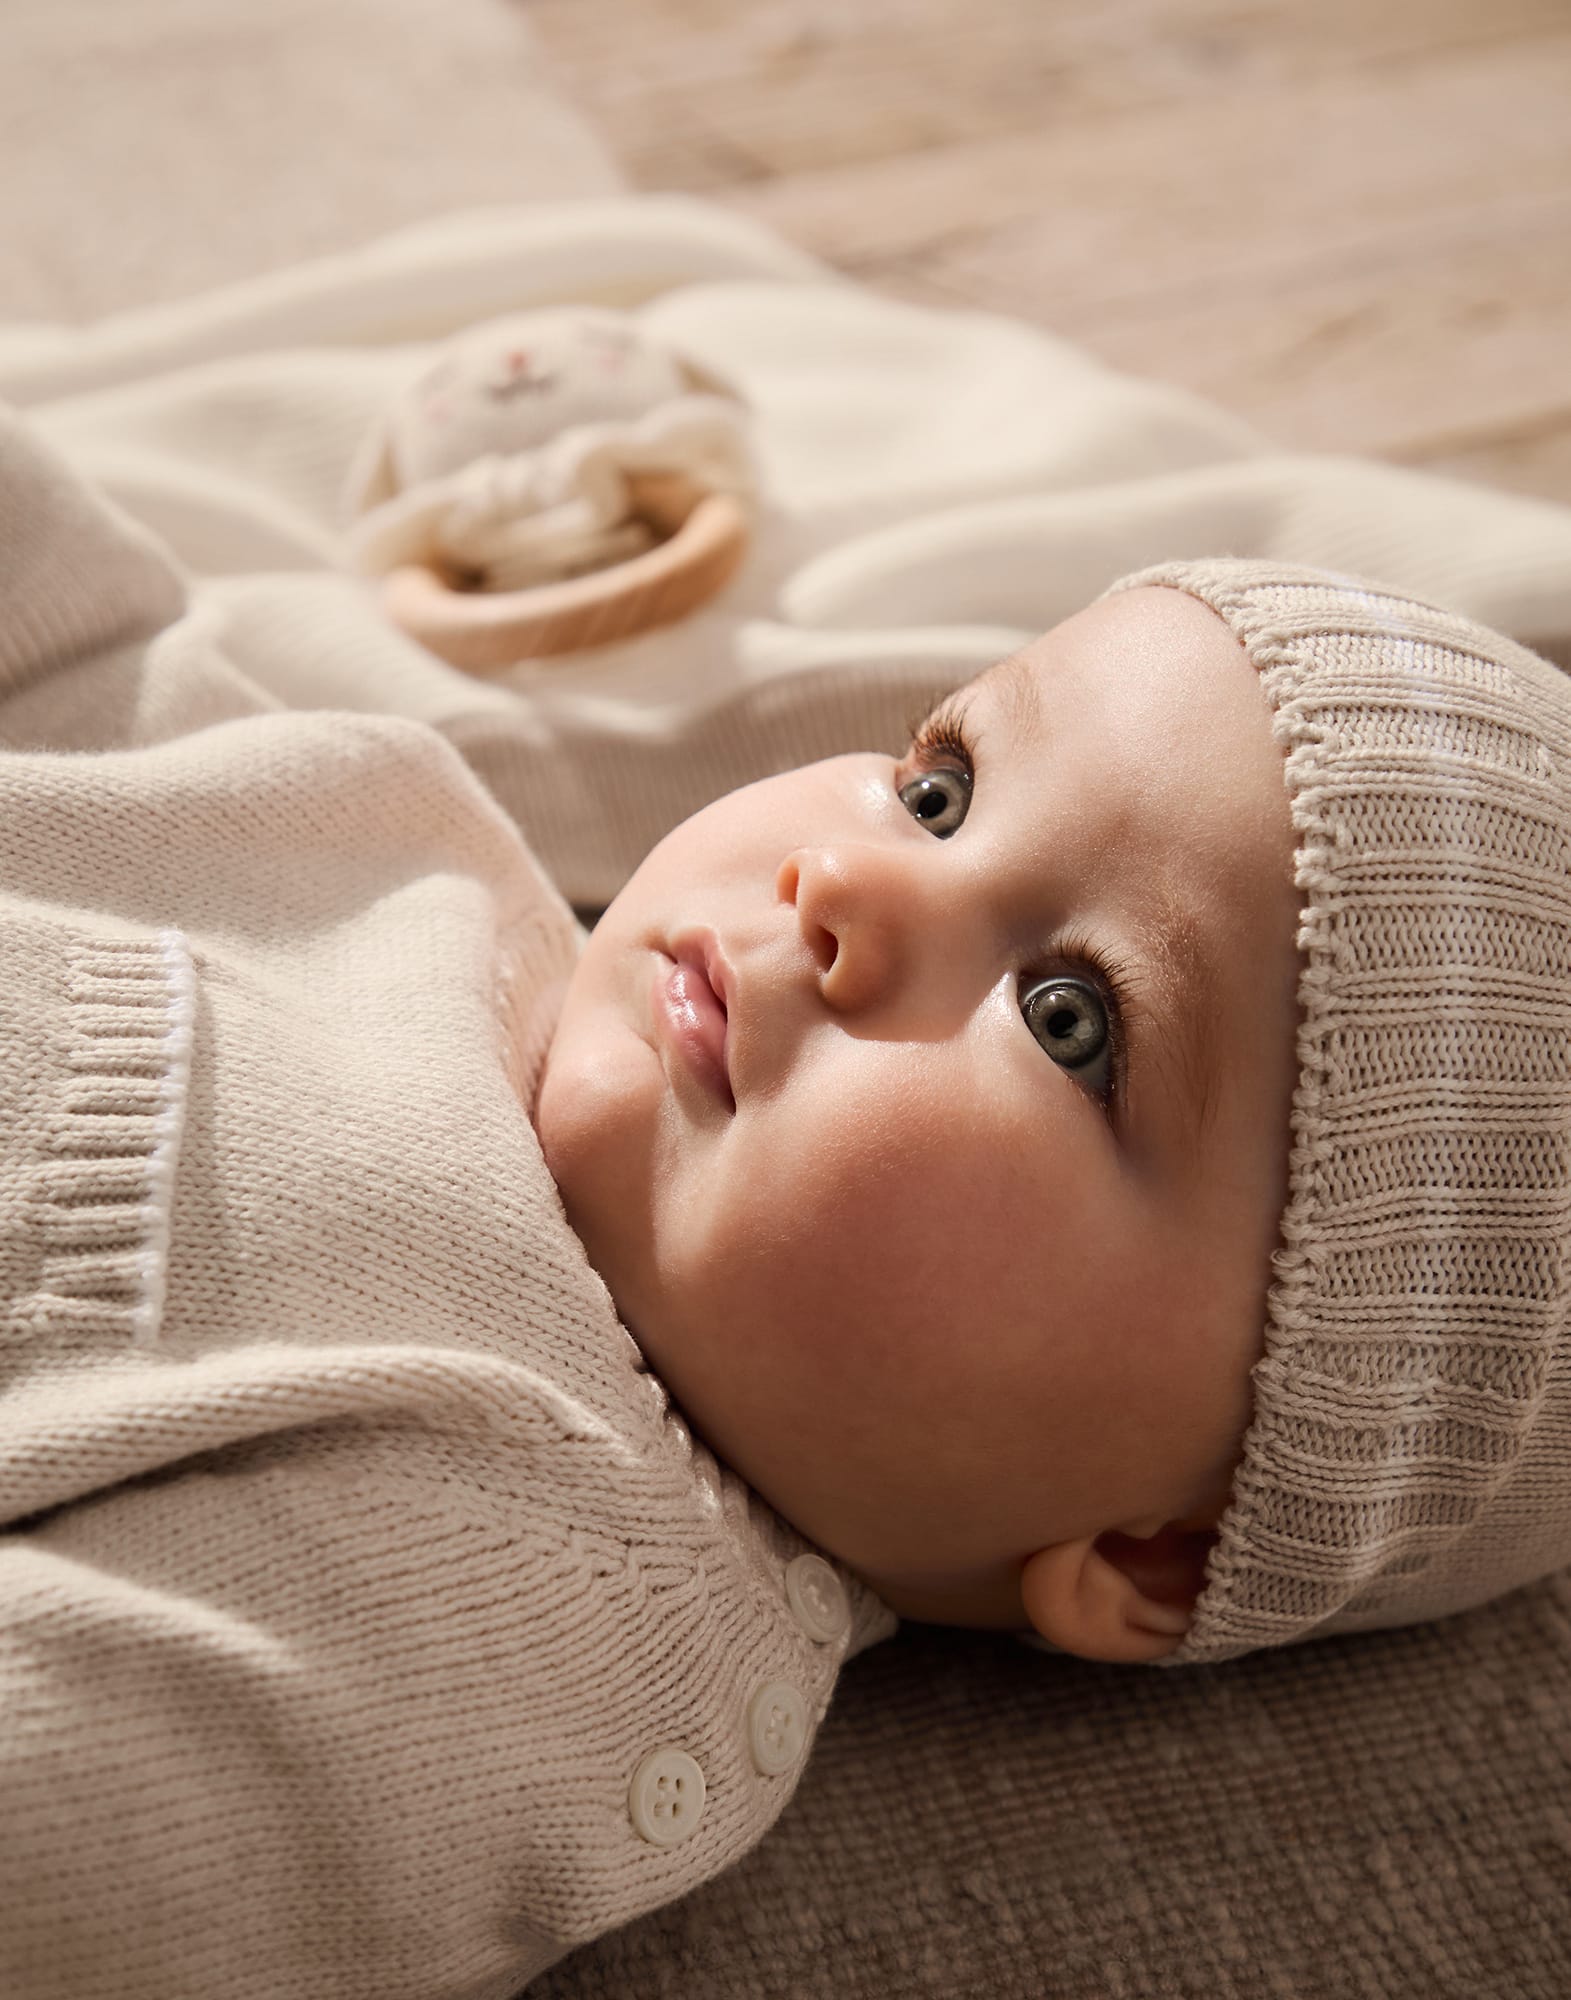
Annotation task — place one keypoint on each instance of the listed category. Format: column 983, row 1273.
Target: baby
column 469, row 1388
column 928, row 1119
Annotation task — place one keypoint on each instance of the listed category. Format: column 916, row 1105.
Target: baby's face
column 968, row 1252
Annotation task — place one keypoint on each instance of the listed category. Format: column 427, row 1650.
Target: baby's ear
column 1118, row 1596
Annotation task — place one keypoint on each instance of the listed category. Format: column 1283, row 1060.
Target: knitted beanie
column 1409, row 1451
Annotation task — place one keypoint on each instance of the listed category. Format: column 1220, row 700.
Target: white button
column 666, row 1796
column 817, row 1597
column 776, row 1727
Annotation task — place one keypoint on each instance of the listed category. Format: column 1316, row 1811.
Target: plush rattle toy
column 553, row 480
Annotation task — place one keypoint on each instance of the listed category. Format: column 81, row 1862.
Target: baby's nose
column 860, row 916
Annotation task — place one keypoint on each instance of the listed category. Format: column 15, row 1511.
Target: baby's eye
column 1069, row 1018
column 939, row 799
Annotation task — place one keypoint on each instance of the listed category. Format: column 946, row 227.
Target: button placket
column 666, row 1797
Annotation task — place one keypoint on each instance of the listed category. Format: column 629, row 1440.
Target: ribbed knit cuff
column 106, row 1189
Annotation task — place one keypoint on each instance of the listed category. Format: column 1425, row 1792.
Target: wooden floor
column 1349, row 221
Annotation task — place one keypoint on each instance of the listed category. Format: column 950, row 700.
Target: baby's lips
column 698, row 953
column 722, row 983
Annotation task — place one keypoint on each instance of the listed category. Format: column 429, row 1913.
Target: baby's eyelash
column 942, row 733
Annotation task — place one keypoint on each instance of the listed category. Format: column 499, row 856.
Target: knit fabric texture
column 1409, row 1454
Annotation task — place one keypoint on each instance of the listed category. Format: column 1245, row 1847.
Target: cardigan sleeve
column 271, row 1684
column 319, row 1718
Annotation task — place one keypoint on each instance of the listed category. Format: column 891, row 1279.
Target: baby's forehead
column 1148, row 648
column 1146, row 712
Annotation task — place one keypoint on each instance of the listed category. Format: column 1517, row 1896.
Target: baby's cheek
column 784, row 1243
column 837, row 1258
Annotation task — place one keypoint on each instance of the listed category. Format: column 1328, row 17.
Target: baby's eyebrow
column 1012, row 685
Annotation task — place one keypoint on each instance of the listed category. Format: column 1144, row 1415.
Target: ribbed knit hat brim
column 1409, row 1453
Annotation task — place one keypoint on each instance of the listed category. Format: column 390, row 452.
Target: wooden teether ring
column 486, row 631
